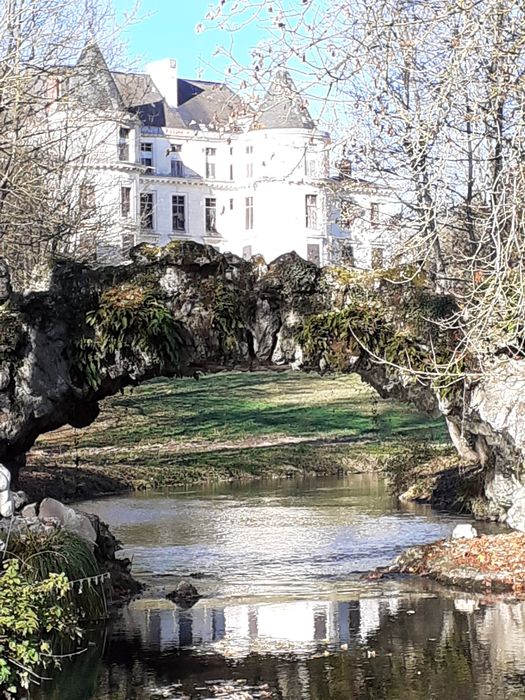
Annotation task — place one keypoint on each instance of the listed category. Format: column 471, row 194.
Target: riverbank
column 489, row 563
column 237, row 426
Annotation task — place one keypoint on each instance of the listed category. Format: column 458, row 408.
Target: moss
column 229, row 311
column 148, row 251
column 12, row 333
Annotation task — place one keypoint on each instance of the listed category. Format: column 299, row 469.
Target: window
column 175, row 147
column 374, row 213
column 313, row 253
column 249, row 213
column 210, row 163
column 146, row 211
column 177, row 168
column 249, row 162
column 86, row 197
column 231, row 204
column 247, row 252
column 378, row 258
column 311, row 211
column 123, row 143
column 125, row 202
column 310, row 167
column 178, row 212
column 231, row 171
column 146, row 154
column 211, row 214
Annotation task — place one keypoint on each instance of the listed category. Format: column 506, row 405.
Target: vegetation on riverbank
column 46, row 588
column 228, row 426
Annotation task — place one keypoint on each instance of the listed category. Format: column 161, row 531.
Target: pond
column 286, row 613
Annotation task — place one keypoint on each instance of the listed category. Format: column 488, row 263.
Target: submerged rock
column 185, row 595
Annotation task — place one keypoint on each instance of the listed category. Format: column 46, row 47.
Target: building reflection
column 412, row 647
column 239, row 629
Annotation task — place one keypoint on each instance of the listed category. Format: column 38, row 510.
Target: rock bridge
column 187, row 309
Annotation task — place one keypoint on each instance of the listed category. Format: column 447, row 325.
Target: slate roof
column 283, row 106
column 95, row 79
column 201, row 103
column 141, row 97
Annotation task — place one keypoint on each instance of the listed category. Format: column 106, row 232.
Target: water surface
column 286, row 613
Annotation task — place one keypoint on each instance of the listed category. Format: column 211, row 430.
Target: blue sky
column 166, row 29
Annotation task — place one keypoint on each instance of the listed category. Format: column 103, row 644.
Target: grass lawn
column 171, row 431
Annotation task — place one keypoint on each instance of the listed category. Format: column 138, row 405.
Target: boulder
column 185, row 595
column 464, row 531
column 21, row 499
column 7, row 502
column 29, row 511
column 516, row 514
column 69, row 518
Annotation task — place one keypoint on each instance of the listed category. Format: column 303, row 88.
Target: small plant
column 31, row 612
column 130, row 322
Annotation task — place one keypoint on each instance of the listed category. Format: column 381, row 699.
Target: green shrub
column 31, row 612
column 63, row 551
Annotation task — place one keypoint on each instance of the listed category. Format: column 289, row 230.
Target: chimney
column 164, row 75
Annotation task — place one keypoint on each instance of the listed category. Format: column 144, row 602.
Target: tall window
column 123, row 143
column 146, row 210
column 310, row 166
column 231, row 165
column 86, row 198
column 249, row 212
column 146, row 154
column 178, row 212
column 211, row 214
column 177, row 168
column 249, row 161
column 210, row 163
column 311, row 211
column 313, row 253
column 374, row 213
column 125, row 202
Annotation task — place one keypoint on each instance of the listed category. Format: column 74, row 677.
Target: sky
column 166, row 29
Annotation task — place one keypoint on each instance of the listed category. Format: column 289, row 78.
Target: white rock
column 7, row 502
column 464, row 531
column 70, row 519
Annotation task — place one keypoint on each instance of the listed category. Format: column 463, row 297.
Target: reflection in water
column 284, row 616
column 398, row 647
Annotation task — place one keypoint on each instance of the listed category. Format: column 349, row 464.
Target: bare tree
column 428, row 96
column 52, row 116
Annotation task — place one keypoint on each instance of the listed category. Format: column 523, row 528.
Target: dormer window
column 177, row 168
column 210, row 163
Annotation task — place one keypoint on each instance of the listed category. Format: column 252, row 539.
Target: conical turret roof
column 283, row 107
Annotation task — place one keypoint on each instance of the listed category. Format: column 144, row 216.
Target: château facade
column 184, row 159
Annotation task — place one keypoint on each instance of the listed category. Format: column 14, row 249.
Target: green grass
column 224, row 425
